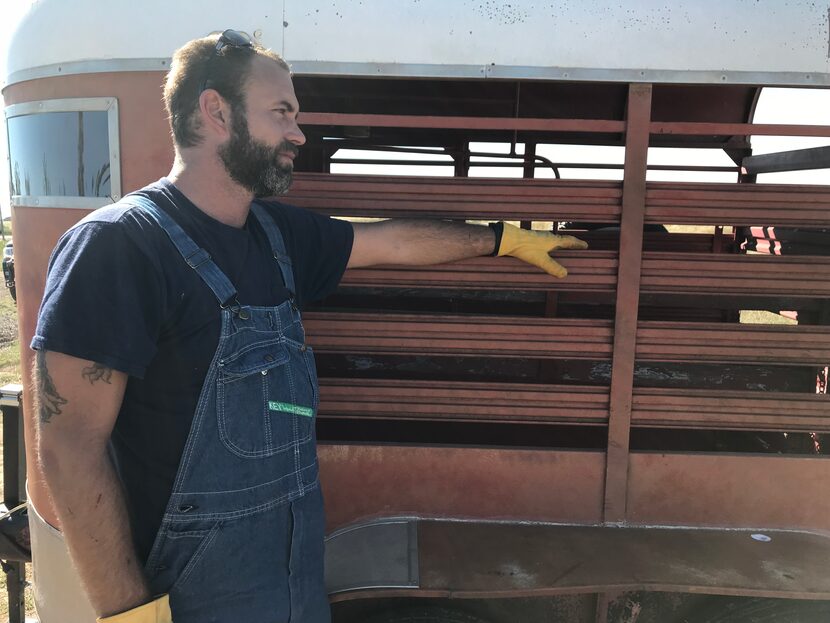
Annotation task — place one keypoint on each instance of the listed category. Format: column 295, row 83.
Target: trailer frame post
column 628, row 299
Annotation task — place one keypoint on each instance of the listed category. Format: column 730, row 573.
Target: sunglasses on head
column 229, row 38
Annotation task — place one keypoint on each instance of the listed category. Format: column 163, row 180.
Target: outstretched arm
column 423, row 242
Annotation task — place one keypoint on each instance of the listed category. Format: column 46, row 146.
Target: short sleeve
column 103, row 299
column 319, row 247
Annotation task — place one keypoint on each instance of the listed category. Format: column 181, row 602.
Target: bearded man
column 176, row 393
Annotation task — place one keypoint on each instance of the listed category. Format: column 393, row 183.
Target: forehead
column 268, row 80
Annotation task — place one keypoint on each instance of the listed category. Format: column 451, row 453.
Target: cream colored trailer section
column 770, row 42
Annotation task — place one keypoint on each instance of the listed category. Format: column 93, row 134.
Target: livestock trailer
column 496, row 445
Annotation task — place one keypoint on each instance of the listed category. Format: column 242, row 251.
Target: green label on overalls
column 289, row 408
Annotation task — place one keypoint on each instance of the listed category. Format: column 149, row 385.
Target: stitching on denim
column 270, row 448
column 288, row 497
column 294, row 343
column 266, row 414
column 189, row 534
column 240, row 452
column 250, row 454
column 297, row 457
column 236, row 355
column 196, row 558
column 263, row 485
column 208, row 390
column 311, row 367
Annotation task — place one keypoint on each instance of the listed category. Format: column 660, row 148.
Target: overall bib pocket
column 265, row 399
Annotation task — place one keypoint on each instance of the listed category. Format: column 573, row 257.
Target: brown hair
column 229, row 70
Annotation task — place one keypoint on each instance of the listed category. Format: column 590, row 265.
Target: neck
column 207, row 185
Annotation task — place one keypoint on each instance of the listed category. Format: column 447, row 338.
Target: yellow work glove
column 157, row 611
column 534, row 247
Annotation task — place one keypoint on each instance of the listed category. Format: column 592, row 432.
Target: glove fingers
column 552, row 267
column 569, row 242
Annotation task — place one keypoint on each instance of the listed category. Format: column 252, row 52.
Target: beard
column 254, row 165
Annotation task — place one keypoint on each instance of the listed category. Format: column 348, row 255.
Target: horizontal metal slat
column 571, row 404
column 738, row 204
column 432, row 197
column 468, row 123
column 474, row 402
column 756, row 275
column 729, row 343
column 596, row 271
column 587, row 271
column 436, row 334
column 732, row 410
column 454, row 185
column 551, row 338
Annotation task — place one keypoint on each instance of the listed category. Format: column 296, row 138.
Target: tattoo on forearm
column 49, row 400
column 97, row 372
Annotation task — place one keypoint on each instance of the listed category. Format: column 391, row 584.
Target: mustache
column 288, row 148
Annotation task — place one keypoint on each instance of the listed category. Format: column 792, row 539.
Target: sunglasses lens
column 232, row 38
column 236, row 38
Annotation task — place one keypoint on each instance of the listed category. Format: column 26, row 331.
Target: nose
column 295, row 135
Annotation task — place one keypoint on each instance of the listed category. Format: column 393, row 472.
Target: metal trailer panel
column 724, row 490
column 362, row 482
column 537, row 559
column 701, row 41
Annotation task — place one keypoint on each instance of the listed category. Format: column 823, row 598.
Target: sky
column 775, row 106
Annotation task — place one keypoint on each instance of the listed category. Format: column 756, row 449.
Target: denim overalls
column 242, row 536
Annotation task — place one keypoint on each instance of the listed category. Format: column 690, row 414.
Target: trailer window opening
column 411, row 161
column 582, row 162
column 64, row 153
column 686, row 164
column 776, row 106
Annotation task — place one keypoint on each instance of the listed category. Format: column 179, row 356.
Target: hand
column 533, row 247
column 157, row 611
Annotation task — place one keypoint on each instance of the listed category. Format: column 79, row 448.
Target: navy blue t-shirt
column 120, row 294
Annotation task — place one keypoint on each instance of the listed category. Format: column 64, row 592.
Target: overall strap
column 197, row 258
column 277, row 245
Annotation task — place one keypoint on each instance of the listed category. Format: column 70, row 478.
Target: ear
column 216, row 114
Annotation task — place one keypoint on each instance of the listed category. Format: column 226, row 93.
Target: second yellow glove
column 157, row 611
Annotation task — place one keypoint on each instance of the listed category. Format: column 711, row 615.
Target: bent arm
column 78, row 402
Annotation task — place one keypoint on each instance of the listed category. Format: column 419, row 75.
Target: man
column 176, row 394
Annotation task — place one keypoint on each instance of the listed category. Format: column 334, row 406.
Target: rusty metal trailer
column 496, row 445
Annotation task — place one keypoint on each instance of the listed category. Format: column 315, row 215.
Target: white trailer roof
column 768, row 42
